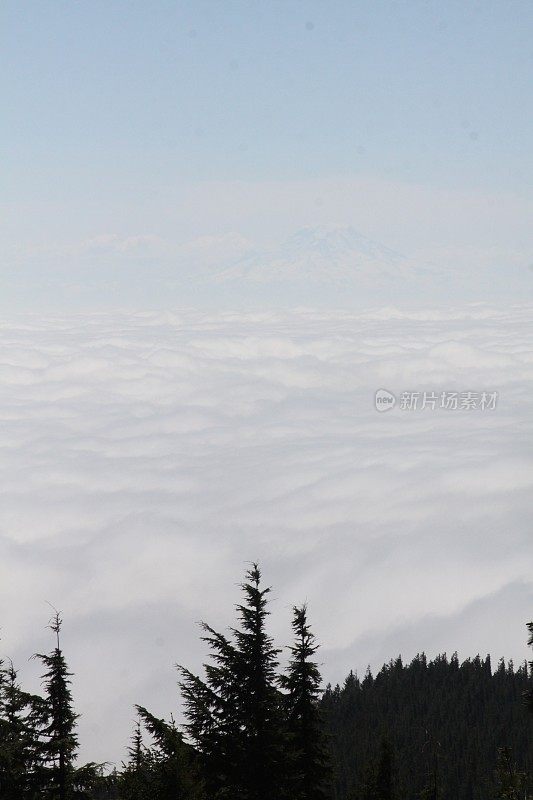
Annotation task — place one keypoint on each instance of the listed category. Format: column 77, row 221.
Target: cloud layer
column 146, row 457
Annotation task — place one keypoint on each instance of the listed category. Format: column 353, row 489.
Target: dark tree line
column 431, row 729
column 428, row 730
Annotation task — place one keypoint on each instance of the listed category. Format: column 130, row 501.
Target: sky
column 224, row 227
column 134, row 131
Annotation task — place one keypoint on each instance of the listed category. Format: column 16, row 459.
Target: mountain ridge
column 329, row 254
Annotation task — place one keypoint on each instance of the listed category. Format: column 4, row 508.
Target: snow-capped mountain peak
column 326, row 254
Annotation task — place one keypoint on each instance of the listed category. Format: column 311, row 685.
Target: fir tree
column 173, row 774
column 378, row 777
column 136, row 750
column 59, row 740
column 20, row 716
column 530, row 691
column 432, row 748
column 510, row 782
column 15, row 755
column 302, row 684
column 384, row 781
column 235, row 715
column 213, row 712
column 135, row 779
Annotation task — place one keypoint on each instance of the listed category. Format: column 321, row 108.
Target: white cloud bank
column 145, row 457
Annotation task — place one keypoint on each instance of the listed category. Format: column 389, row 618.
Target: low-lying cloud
column 146, row 457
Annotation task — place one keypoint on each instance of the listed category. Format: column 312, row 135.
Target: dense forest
column 428, row 730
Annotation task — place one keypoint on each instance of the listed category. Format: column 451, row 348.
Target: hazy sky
column 132, row 128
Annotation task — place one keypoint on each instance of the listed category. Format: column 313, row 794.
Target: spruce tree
column 235, row 716
column 20, row 717
column 59, row 740
column 213, row 712
column 136, row 748
column 432, row 788
column 309, row 765
column 135, row 779
column 12, row 766
column 384, row 781
column 378, row 776
column 510, row 781
column 15, row 753
column 530, row 692
column 172, row 769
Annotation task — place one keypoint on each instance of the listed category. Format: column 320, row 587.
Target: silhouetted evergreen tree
column 135, row 780
column 384, row 783
column 432, row 788
column 530, row 691
column 59, row 740
column 235, row 715
column 15, row 752
column 510, row 782
column 378, row 778
column 21, row 715
column 136, row 750
column 309, row 764
column 173, row 775
column 91, row 782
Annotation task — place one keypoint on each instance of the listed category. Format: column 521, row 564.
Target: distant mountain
column 328, row 255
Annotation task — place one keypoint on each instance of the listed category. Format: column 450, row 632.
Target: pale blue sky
column 119, row 116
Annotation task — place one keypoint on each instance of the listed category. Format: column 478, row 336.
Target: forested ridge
column 434, row 728
column 427, row 730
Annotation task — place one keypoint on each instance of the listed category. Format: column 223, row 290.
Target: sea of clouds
column 147, row 457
